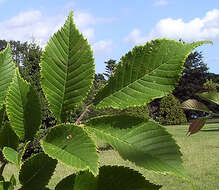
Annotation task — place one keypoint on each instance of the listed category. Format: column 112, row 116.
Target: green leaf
column 210, row 96
column 71, row 145
column 110, row 177
column 67, row 183
column 145, row 143
column 2, row 115
column 11, row 155
column 193, row 104
column 7, row 68
column 21, row 154
column 23, row 108
column 13, row 180
column 6, row 185
column 8, row 137
column 36, row 172
column 67, row 69
column 145, row 73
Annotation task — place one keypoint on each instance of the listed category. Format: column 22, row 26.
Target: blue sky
column 115, row 27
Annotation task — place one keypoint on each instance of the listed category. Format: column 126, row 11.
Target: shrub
column 170, row 113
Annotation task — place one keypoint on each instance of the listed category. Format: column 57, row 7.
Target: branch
column 78, row 121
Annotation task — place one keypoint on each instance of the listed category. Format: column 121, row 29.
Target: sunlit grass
column 200, row 159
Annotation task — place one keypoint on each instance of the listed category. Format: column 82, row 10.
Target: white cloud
column 206, row 28
column 34, row 24
column 136, row 37
column 103, row 47
column 161, row 3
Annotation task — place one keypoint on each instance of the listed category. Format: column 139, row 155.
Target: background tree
column 193, row 77
column 110, row 67
column 170, row 113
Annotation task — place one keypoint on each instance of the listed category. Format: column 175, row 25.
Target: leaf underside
column 36, row 172
column 110, row 177
column 7, row 68
column 145, row 143
column 23, row 108
column 193, row 104
column 71, row 145
column 145, row 73
column 210, row 96
column 67, row 69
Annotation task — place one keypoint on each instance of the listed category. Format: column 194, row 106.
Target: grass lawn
column 200, row 156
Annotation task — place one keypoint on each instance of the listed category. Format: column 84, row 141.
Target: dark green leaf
column 6, row 72
column 36, row 172
column 67, row 69
column 145, row 143
column 110, row 178
column 2, row 115
column 23, row 108
column 21, row 153
column 71, row 145
column 145, row 73
column 8, row 137
column 6, row 185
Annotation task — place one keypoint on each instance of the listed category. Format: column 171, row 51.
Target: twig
column 78, row 121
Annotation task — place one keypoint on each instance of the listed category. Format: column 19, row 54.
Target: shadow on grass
column 209, row 130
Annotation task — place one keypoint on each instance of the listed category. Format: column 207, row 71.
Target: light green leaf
column 67, row 69
column 193, row 104
column 145, row 143
column 71, row 145
column 11, row 155
column 7, row 68
column 110, row 177
column 145, row 73
column 210, row 96
column 8, row 137
column 13, row 180
column 23, row 108
column 36, row 172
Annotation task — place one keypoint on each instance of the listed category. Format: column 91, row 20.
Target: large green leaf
column 145, row 143
column 6, row 72
column 36, row 172
column 145, row 73
column 8, row 137
column 67, row 69
column 210, row 96
column 71, row 145
column 23, row 108
column 11, row 155
column 110, row 177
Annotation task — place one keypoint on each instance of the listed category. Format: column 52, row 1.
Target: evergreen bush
column 170, row 113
